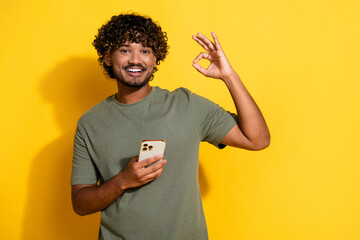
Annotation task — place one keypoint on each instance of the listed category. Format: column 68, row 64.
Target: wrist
column 231, row 79
column 121, row 182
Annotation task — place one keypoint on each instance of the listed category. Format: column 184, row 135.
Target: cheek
column 117, row 64
column 154, row 62
column 116, row 67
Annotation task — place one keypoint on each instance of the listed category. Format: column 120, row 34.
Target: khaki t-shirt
column 109, row 135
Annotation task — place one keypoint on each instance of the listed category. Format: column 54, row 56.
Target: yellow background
column 299, row 60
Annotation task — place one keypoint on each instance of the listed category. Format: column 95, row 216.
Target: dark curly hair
column 131, row 28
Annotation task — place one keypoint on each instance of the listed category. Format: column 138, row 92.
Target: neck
column 129, row 95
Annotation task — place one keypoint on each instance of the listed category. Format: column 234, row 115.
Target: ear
column 107, row 59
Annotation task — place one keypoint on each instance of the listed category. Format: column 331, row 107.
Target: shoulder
column 181, row 98
column 177, row 94
column 96, row 112
column 184, row 97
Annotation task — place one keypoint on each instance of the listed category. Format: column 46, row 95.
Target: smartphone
column 150, row 148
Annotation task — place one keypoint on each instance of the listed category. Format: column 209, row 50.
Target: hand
column 137, row 174
column 219, row 65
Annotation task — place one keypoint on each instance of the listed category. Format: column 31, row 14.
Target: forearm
column 251, row 121
column 91, row 199
column 252, row 132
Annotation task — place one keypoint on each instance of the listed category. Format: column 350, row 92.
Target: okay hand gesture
column 219, row 65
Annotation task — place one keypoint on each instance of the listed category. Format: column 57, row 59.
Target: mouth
column 134, row 70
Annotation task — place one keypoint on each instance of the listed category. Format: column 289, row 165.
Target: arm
column 87, row 199
column 252, row 132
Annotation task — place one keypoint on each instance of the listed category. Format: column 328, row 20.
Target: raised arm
column 252, row 132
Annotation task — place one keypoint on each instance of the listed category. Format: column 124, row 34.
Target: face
column 132, row 64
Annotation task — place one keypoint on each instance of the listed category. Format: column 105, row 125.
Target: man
column 161, row 201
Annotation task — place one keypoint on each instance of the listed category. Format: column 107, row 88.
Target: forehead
column 133, row 45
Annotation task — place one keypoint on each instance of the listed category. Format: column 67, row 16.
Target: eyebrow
column 128, row 45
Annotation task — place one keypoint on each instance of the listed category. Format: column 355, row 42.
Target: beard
column 134, row 84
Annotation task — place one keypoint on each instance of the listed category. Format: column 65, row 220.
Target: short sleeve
column 84, row 170
column 213, row 121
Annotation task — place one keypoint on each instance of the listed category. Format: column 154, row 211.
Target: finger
column 152, row 176
column 216, row 41
column 208, row 43
column 149, row 161
column 155, row 166
column 200, row 69
column 201, row 56
column 201, row 43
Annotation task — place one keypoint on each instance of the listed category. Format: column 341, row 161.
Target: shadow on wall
column 72, row 87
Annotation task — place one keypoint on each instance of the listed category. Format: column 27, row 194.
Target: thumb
column 200, row 69
column 134, row 159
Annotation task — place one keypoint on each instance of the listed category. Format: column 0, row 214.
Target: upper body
column 132, row 59
column 109, row 135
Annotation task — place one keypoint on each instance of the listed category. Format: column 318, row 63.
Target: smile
column 134, row 70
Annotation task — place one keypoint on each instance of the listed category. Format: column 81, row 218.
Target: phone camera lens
column 145, row 145
column 144, row 149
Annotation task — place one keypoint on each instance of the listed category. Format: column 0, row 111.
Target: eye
column 124, row 50
column 145, row 51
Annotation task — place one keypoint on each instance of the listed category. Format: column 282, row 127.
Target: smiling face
column 132, row 64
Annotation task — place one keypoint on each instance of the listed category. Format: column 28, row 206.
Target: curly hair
column 134, row 29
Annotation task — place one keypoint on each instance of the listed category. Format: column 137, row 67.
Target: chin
column 134, row 83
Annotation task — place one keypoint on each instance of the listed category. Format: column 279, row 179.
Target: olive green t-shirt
column 110, row 134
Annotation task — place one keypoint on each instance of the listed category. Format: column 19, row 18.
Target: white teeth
column 134, row 70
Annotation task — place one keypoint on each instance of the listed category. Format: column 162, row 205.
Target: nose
column 134, row 58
